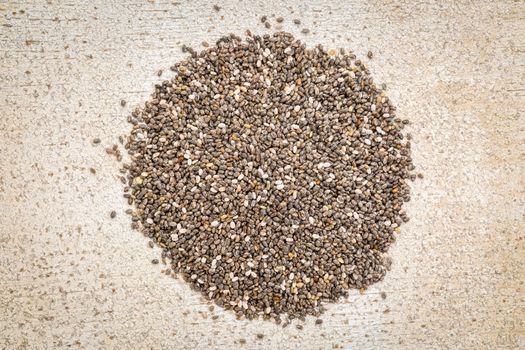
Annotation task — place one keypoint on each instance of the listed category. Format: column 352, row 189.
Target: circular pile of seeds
column 272, row 175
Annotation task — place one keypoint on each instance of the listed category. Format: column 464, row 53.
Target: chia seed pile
column 271, row 175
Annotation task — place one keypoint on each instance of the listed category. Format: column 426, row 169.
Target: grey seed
column 216, row 8
column 151, row 244
column 113, row 214
column 305, row 31
column 96, row 141
column 299, row 327
column 271, row 175
column 297, row 21
column 383, row 295
column 123, row 103
column 155, row 261
column 318, row 321
column 279, row 19
column 267, row 25
column 370, row 54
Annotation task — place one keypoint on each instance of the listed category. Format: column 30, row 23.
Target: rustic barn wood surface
column 71, row 277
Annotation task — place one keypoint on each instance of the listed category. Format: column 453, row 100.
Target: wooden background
column 70, row 277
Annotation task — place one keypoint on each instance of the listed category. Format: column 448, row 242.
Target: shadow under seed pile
column 272, row 175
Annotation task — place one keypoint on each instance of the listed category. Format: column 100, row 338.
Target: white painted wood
column 70, row 277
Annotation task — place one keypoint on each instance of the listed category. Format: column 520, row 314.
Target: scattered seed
column 297, row 21
column 216, row 8
column 113, row 214
column 383, row 295
column 96, row 141
column 123, row 103
column 92, row 170
column 151, row 244
column 260, row 336
column 370, row 54
column 299, row 327
column 318, row 321
column 264, row 19
column 305, row 31
column 242, row 341
column 267, row 25
column 155, row 261
column 279, row 19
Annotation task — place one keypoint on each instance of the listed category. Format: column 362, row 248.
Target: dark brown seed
column 260, row 336
column 297, row 21
column 370, row 54
column 264, row 19
column 318, row 321
column 151, row 244
column 383, row 295
column 242, row 341
column 279, row 19
column 113, row 214
column 122, row 103
column 96, row 141
column 155, row 261
column 299, row 327
column 216, row 8
column 267, row 25
column 159, row 72
column 92, row 170
column 270, row 193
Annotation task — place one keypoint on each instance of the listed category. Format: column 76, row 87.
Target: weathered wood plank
column 70, row 277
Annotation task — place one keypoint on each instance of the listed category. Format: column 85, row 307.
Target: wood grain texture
column 71, row 277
